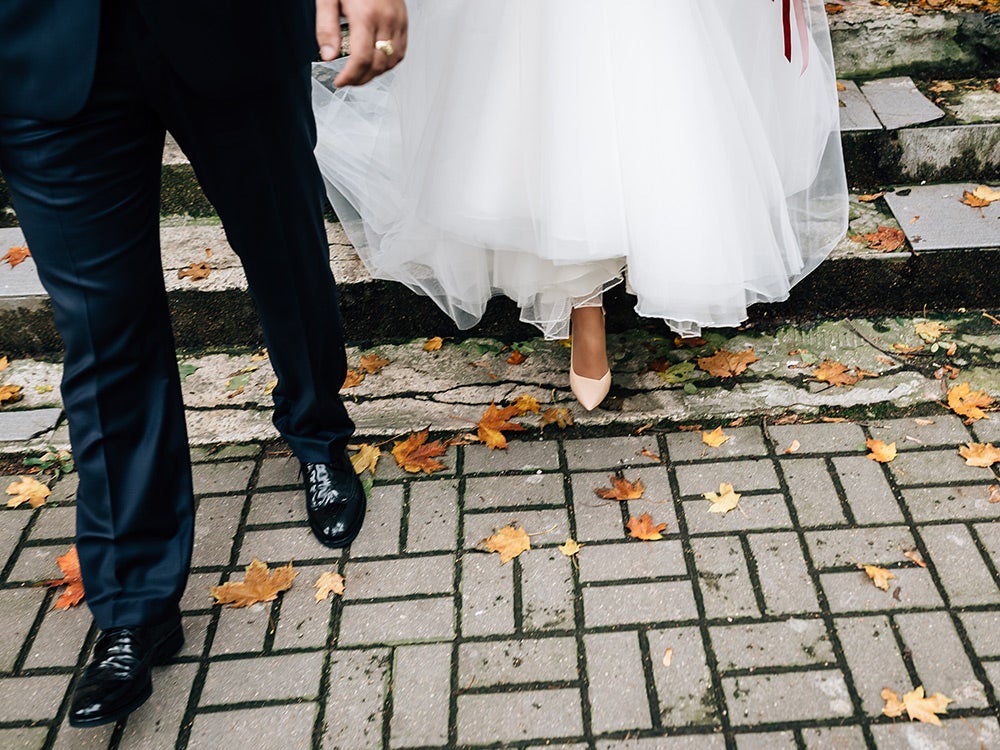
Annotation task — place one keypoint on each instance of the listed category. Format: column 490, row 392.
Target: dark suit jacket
column 48, row 48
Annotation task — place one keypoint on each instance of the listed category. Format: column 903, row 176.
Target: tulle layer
column 540, row 149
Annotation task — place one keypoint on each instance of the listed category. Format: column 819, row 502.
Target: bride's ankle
column 590, row 356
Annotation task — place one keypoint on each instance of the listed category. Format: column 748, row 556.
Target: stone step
column 449, row 389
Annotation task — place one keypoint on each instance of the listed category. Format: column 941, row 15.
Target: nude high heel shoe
column 588, row 391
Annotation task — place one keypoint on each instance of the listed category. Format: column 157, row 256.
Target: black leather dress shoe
column 335, row 501
column 119, row 677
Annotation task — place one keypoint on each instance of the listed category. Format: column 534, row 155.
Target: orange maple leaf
column 969, row 403
column 881, row 451
column 834, row 373
column 516, row 358
column 69, row 564
column 10, row 394
column 621, row 489
column 16, row 256
column 509, row 542
column 727, row 364
column 353, row 380
column 260, row 584
column 4, row 363
column 715, row 438
column 195, row 272
column 415, row 454
column 643, row 528
column 886, row 239
column 432, row 345
column 494, row 422
column 983, row 455
column 372, row 363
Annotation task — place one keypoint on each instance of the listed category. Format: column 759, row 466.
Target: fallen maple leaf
column 644, row 529
column 886, row 239
column 880, row 576
column 15, row 256
column 917, row 707
column 571, row 547
column 560, row 417
column 983, row 455
column 986, row 193
column 69, row 564
column 509, row 542
column 914, row 556
column 415, row 454
column 834, row 373
column 715, row 438
column 526, row 403
column 366, row 458
column 195, row 272
column 372, row 363
column 621, row 489
column 432, row 345
column 10, row 393
column 969, row 403
column 260, row 584
column 494, row 422
column 329, row 583
column 727, row 364
column 725, row 501
column 930, row 330
column 881, row 451
column 516, row 358
column 27, row 490
column 353, row 380
column 994, row 493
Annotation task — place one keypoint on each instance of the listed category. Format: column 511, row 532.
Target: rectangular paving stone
column 417, row 621
column 18, row 608
column 898, row 103
column 723, row 577
column 813, row 493
column 983, row 629
column 196, row 593
column 546, row 590
column 784, row 577
column 293, row 724
column 882, row 545
column 294, row 543
column 303, row 622
column 23, row 425
column 867, row 490
column 989, row 536
column 936, row 467
column 945, row 222
column 279, row 471
column 277, row 507
column 854, row 592
column 950, row 503
column 433, row 516
column 36, row 564
column 401, row 577
column 838, row 437
column 516, row 662
column 25, row 738
column 487, row 596
column 515, row 717
column 909, row 434
column 215, row 524
column 89, row 738
column 156, row 724
column 55, row 523
column 59, row 638
column 689, row 446
column 223, row 452
column 241, row 630
column 32, row 698
column 684, row 689
column 357, row 722
column 766, row 741
column 955, row 734
column 745, row 476
column 609, row 453
column 873, row 658
column 530, row 455
column 64, row 489
column 793, row 642
column 855, row 111
column 794, row 696
column 421, row 695
column 550, row 525
column 625, row 604
column 511, row 491
column 632, row 560
column 754, row 512
column 987, row 430
column 222, row 477
column 959, row 565
column 380, row 534
column 617, row 685
column 833, row 738
column 939, row 658
column 12, row 523
column 596, row 519
column 264, row 678
column 195, row 635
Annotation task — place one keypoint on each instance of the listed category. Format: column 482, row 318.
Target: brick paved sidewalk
column 777, row 639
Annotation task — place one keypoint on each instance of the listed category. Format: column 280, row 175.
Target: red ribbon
column 801, row 26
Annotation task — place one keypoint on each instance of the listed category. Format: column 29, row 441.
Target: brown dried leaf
column 994, row 496
column 886, row 239
column 871, row 197
column 723, row 501
column 650, row 455
column 494, row 422
column 10, row 393
column 881, row 451
column 560, row 417
column 914, row 556
column 571, row 547
column 509, row 542
column 69, row 564
column 516, row 358
column 983, row 455
column 27, row 490
column 727, row 364
column 366, row 458
column 621, row 489
column 195, row 272
column 4, row 364
column 329, row 583
column 15, row 256
column 931, row 330
column 353, row 380
column 526, row 403
column 372, row 363
column 969, row 403
column 834, row 373
column 880, row 576
column 643, row 528
column 415, row 454
column 917, row 707
column 715, row 438
column 260, row 584
column 432, row 345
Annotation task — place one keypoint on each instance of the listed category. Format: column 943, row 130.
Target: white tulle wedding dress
column 548, row 149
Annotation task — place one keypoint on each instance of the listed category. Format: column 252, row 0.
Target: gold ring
column 385, row 46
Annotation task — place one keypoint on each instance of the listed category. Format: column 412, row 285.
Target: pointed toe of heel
column 588, row 391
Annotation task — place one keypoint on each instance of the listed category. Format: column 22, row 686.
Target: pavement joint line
column 838, row 485
column 458, row 623
column 754, row 572
column 983, row 553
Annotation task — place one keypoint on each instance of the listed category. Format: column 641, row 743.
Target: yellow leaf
column 715, row 438
column 880, row 576
column 509, row 542
column 269, row 388
column 620, row 489
column 725, row 501
column 980, row 454
column 643, row 528
column 986, row 193
column 561, row 418
column 570, row 548
column 494, row 422
column 260, row 584
column 881, row 451
column 366, row 458
column 893, row 705
column 10, row 393
column 930, row 330
column 432, row 345
column 353, row 380
column 969, row 403
column 3, row 363
column 329, row 583
column 526, row 403
column 27, row 490
column 917, row 707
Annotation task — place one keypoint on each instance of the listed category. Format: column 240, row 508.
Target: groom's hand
column 370, row 21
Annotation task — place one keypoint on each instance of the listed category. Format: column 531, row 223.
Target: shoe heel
column 168, row 647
